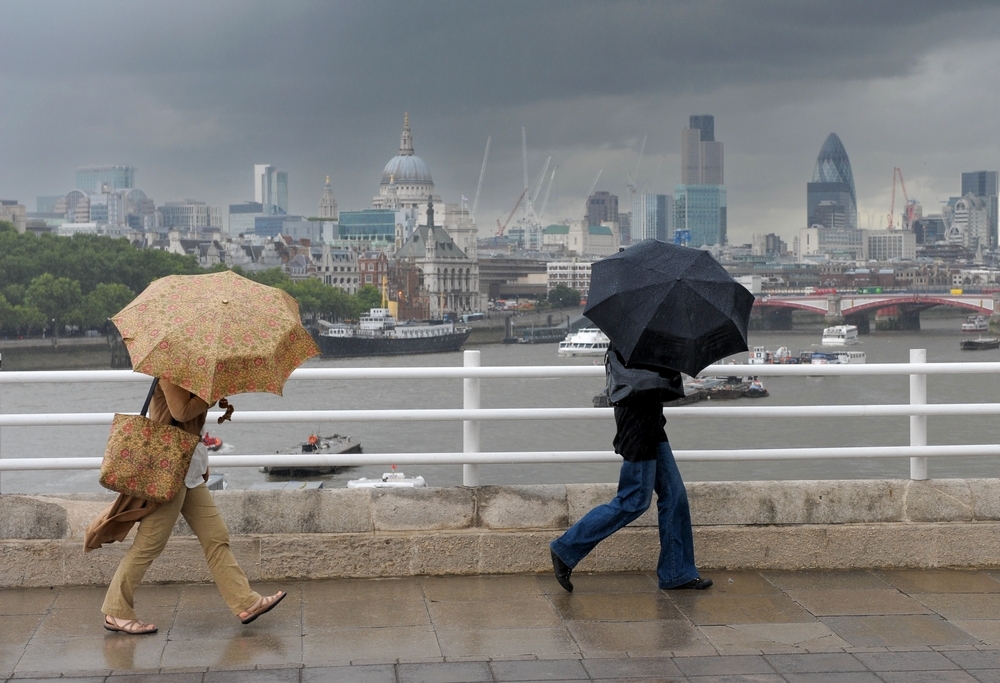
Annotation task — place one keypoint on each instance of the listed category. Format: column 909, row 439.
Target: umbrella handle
column 224, row 403
column 149, row 396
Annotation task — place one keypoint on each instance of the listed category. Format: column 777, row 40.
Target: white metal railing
column 471, row 416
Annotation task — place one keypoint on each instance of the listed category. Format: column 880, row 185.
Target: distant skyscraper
column 700, row 199
column 270, row 186
column 651, row 217
column 701, row 154
column 327, row 203
column 983, row 184
column 831, row 200
column 706, row 124
column 602, row 206
column 99, row 178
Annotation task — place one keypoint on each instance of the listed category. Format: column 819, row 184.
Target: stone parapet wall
column 327, row 533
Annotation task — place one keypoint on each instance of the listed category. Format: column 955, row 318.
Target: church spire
column 430, row 212
column 406, row 140
column 327, row 203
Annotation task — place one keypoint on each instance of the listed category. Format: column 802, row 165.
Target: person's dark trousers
column 636, row 484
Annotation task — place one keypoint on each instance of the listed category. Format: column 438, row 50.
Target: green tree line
column 49, row 282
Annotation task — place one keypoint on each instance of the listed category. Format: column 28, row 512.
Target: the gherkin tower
column 831, row 200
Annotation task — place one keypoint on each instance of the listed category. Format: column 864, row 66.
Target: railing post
column 918, row 423
column 470, row 428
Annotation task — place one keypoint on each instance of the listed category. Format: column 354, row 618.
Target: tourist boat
column 389, row 480
column 980, row 344
column 851, row 357
column 975, row 324
column 336, row 444
column 589, row 341
column 212, row 443
column 840, row 335
column 838, row 358
column 379, row 334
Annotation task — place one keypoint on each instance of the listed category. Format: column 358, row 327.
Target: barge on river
column 379, row 334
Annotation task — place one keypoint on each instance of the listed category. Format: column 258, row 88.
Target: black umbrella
column 667, row 306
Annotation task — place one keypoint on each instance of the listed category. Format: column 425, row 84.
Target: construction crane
column 548, row 189
column 591, row 191
column 632, row 177
column 482, row 172
column 501, row 228
column 908, row 211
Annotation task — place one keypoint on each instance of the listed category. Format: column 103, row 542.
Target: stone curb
column 330, row 533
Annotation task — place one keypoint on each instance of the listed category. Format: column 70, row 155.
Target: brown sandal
column 133, row 627
column 262, row 606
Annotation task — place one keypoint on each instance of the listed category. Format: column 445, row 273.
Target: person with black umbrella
column 667, row 309
column 648, row 466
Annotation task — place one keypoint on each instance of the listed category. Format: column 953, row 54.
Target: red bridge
column 899, row 310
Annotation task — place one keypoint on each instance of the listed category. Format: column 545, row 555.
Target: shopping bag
column 145, row 458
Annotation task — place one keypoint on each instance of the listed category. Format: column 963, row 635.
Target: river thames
column 940, row 336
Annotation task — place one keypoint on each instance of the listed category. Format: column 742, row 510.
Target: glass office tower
column 831, row 200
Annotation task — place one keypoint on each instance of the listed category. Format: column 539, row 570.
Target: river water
column 940, row 336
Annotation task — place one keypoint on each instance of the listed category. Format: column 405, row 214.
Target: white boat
column 851, row 357
column 975, row 324
column 589, row 341
column 761, row 356
column 838, row 358
column 840, row 335
column 389, row 480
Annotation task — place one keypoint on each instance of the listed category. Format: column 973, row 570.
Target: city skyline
column 326, row 98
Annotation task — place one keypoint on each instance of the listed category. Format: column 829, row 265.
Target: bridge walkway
column 864, row 626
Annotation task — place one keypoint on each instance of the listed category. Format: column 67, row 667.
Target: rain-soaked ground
column 907, row 625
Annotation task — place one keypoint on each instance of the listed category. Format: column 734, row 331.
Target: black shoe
column 562, row 571
column 698, row 584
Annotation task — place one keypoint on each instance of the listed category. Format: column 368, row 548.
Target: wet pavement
column 798, row 627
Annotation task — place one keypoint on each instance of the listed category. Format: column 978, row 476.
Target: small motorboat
column 756, row 390
column 335, row 444
column 212, row 443
column 388, row 480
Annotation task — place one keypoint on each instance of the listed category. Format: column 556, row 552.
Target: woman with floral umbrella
column 204, row 337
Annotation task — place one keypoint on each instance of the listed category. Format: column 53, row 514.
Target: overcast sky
column 193, row 93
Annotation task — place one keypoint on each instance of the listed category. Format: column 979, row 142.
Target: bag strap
column 149, row 396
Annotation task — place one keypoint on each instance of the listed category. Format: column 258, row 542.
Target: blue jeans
column 636, row 484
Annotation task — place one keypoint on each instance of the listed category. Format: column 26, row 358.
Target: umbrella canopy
column 667, row 306
column 216, row 334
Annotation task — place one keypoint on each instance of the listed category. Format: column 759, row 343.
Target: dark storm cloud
column 194, row 92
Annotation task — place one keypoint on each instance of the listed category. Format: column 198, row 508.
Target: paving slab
column 793, row 627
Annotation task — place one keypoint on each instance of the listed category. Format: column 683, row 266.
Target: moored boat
column 840, row 335
column 980, row 344
column 589, row 341
column 379, row 334
column 761, row 356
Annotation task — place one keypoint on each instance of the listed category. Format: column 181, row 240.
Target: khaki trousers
column 202, row 515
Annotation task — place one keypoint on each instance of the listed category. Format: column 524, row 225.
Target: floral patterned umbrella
column 216, row 334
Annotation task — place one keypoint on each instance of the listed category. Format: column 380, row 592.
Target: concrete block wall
column 327, row 533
